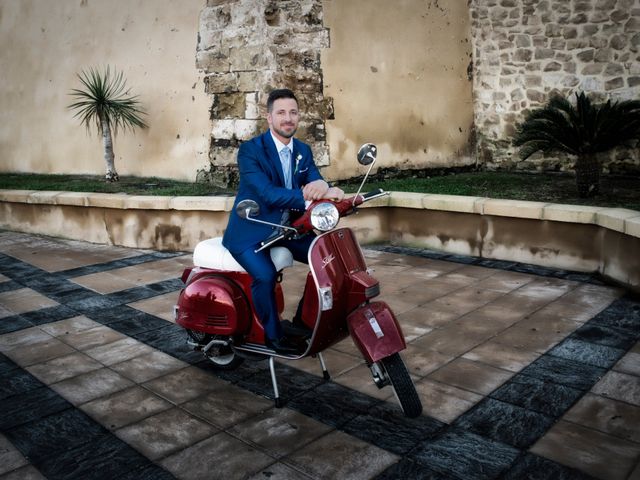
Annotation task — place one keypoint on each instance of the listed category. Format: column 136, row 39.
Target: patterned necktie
column 285, row 158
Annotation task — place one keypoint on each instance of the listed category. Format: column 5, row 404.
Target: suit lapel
column 273, row 157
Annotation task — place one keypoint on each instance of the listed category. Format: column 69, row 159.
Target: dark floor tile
column 505, row 423
column 408, row 470
column 538, row 270
column 465, row 259
column 118, row 313
column 104, row 458
column 30, row 406
column 17, row 382
column 244, row 371
column 132, row 295
column 386, row 427
column 291, row 382
column 166, row 286
column 52, row 284
column 622, row 314
column 537, row 395
column 13, row 324
column 49, row 314
column 113, row 265
column 139, row 322
column 87, row 302
column 54, row 434
column 497, row 264
column 149, row 472
column 564, row 372
column 6, row 364
column 589, row 353
column 333, row 404
column 533, row 467
column 602, row 335
column 461, row 454
column 9, row 286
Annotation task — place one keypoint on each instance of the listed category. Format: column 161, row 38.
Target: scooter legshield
column 376, row 331
column 213, row 305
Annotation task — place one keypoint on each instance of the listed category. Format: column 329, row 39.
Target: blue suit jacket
column 262, row 180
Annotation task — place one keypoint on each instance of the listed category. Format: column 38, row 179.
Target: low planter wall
column 588, row 239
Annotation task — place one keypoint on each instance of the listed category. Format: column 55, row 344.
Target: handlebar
column 303, row 225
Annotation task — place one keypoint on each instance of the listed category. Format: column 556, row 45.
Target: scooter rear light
column 186, row 274
column 372, row 291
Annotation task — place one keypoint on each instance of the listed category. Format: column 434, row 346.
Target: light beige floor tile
column 619, row 386
column 448, row 341
column 279, row 471
column 69, row 326
column 118, row 351
column 595, row 453
column 125, row 407
column 616, row 418
column 40, row 352
column 360, row 379
column 10, row 457
column 28, row 472
column 220, row 453
column 629, row 364
column 147, row 367
column 227, row 406
column 104, row 282
column 24, row 300
column 469, row 375
column 340, row 456
column 160, row 306
column 336, row 362
column 62, row 368
column 502, row 356
column 89, row 386
column 422, row 362
column 94, row 337
column 21, row 338
column 165, row 433
column 279, row 431
column 444, row 402
column 185, row 384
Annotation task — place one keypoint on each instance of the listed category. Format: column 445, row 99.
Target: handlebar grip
column 368, row 195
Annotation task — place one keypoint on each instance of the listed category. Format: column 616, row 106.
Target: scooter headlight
column 324, row 216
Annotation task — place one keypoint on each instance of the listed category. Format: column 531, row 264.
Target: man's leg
column 264, row 275
column 300, row 250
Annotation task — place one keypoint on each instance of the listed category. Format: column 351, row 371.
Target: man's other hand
column 315, row 190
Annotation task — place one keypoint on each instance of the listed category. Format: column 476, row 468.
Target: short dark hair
column 277, row 94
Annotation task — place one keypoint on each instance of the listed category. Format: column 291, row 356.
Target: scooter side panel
column 376, row 331
column 213, row 304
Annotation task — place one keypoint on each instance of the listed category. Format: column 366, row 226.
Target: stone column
column 246, row 48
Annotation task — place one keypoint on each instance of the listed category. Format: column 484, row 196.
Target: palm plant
column 583, row 130
column 106, row 101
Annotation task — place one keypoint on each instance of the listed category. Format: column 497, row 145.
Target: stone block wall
column 526, row 50
column 245, row 49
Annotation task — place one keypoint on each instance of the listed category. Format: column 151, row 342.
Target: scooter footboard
column 376, row 331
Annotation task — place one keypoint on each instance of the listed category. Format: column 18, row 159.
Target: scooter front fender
column 376, row 331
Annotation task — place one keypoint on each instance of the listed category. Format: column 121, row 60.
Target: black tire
column 403, row 385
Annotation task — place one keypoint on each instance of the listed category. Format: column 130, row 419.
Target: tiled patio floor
column 524, row 373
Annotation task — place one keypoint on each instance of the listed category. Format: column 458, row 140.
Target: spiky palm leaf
column 580, row 129
column 106, row 101
column 583, row 130
column 106, row 98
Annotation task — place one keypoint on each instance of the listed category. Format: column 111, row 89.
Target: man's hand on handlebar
column 320, row 189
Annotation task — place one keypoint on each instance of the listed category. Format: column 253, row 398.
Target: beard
column 286, row 133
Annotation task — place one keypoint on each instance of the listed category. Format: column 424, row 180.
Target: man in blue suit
column 278, row 172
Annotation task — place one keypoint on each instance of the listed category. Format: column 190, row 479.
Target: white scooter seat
column 212, row 254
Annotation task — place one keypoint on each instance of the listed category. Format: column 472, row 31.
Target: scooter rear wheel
column 220, row 353
column 403, row 385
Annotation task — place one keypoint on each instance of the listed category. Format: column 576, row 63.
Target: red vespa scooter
column 216, row 309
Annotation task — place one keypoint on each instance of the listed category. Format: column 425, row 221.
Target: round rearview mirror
column 367, row 154
column 247, row 208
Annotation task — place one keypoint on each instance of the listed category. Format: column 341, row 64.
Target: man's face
column 283, row 118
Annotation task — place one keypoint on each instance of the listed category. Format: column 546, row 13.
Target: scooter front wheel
column 402, row 384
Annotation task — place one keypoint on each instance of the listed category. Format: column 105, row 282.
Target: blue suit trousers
column 264, row 275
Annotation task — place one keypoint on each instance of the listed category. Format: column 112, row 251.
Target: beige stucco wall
column 397, row 73
column 44, row 43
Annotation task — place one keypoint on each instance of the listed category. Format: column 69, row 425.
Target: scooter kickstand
column 325, row 372
column 274, row 381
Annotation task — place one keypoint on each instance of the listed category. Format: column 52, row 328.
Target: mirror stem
column 363, row 180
